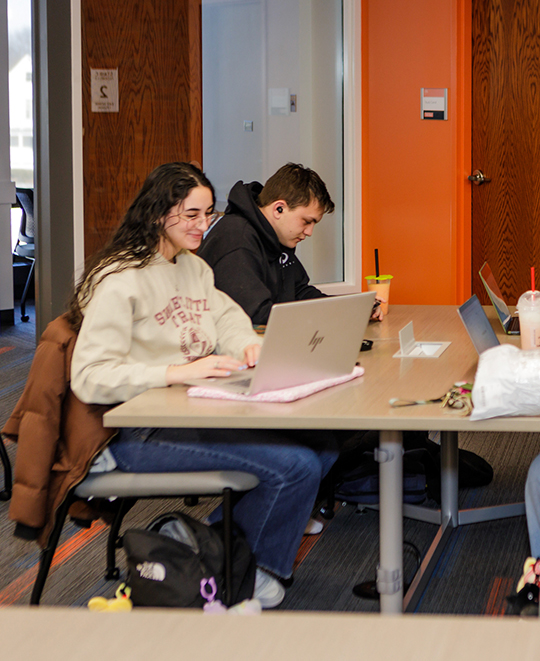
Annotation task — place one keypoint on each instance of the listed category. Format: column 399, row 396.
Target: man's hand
column 377, row 313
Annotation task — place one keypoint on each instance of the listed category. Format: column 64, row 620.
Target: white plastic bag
column 507, row 383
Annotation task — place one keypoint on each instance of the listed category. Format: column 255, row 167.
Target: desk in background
column 363, row 404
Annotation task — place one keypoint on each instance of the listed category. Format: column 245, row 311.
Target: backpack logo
column 153, row 571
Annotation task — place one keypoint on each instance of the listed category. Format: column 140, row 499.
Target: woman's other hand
column 251, row 354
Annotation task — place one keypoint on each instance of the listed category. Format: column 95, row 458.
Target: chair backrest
column 25, row 197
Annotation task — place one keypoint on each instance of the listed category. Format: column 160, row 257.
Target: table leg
column 449, row 478
column 390, row 570
column 449, row 519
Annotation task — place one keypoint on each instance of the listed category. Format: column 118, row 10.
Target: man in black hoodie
column 252, row 247
column 252, row 252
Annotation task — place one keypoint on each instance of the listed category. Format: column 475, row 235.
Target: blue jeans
column 274, row 515
column 532, row 506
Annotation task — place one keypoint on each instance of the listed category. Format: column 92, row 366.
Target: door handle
column 478, row 178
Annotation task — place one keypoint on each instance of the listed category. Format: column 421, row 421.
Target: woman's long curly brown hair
column 137, row 238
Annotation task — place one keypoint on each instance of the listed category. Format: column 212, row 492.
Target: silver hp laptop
column 509, row 321
column 477, row 324
column 304, row 341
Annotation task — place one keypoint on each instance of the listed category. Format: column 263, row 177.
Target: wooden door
column 506, row 143
column 156, row 47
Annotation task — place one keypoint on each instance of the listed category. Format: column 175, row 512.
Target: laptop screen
column 494, row 293
column 477, row 324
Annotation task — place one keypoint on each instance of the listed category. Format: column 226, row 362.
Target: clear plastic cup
column 529, row 319
column 381, row 285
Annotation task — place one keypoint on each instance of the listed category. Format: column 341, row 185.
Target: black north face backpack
column 179, row 562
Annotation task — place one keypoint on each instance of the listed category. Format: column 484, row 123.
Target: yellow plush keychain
column 531, row 573
column 121, row 601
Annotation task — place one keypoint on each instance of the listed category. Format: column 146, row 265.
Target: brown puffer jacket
column 58, row 437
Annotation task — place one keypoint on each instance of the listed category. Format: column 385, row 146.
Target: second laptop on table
column 509, row 321
column 477, row 325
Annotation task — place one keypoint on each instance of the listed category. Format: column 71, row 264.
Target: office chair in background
column 24, row 248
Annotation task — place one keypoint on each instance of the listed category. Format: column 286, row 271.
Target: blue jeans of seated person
column 532, row 506
column 274, row 515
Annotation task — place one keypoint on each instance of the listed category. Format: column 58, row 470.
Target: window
column 20, row 92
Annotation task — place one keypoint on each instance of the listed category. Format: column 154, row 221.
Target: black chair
column 127, row 488
column 24, row 248
column 5, row 494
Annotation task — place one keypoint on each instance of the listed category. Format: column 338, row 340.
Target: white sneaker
column 268, row 590
column 313, row 527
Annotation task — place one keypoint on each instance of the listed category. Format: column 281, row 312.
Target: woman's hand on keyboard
column 203, row 368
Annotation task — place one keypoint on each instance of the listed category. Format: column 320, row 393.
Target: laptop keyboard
column 242, row 383
column 513, row 326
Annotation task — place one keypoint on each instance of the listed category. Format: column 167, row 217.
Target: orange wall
column 415, row 193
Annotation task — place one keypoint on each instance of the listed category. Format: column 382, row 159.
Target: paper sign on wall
column 104, row 90
column 279, row 101
column 434, row 103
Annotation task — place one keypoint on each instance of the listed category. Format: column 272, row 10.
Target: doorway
column 273, row 92
column 506, row 143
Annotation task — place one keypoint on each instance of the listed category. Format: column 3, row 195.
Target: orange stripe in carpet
column 11, row 593
column 307, row 543
column 4, row 349
column 500, row 588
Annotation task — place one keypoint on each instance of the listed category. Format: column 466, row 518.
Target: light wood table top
column 61, row 634
column 361, row 404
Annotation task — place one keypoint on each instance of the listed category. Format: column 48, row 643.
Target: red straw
column 532, row 279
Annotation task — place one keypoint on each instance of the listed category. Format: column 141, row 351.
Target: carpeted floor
column 17, row 345
column 479, row 567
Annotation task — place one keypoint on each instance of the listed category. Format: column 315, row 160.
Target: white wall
column 322, row 63
column 283, row 71
column 233, row 88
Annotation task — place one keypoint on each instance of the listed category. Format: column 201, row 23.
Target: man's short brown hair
column 298, row 187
